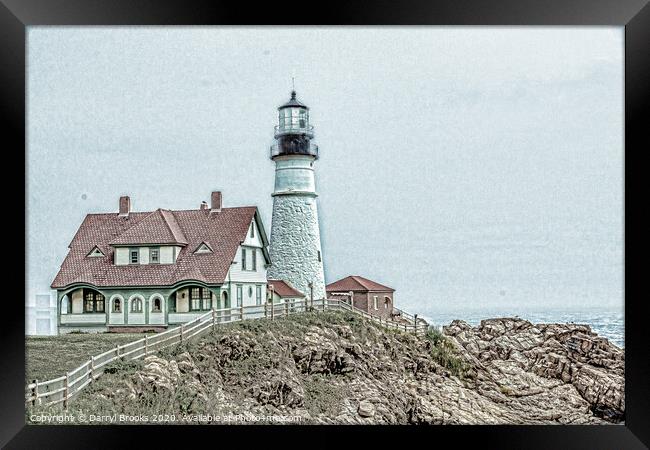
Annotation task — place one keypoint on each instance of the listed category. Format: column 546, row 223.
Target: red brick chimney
column 125, row 206
column 216, row 201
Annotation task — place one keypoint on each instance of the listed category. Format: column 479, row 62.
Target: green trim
column 149, row 244
column 176, row 285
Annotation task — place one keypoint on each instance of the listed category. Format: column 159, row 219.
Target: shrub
column 506, row 390
column 444, row 353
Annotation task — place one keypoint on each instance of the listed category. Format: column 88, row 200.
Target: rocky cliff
column 337, row 368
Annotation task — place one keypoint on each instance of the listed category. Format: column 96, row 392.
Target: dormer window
column 134, row 256
column 95, row 252
column 154, row 255
column 203, row 248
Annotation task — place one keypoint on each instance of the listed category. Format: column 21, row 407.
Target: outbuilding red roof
column 223, row 231
column 356, row 283
column 284, row 289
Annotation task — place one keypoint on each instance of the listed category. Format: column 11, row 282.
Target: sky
column 466, row 167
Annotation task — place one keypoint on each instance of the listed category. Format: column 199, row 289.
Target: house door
column 225, row 302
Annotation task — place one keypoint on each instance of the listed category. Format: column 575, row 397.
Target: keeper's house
column 135, row 271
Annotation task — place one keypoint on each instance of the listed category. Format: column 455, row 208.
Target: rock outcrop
column 530, row 360
column 336, row 368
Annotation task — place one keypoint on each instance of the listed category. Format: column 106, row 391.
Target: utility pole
column 272, row 305
column 311, row 295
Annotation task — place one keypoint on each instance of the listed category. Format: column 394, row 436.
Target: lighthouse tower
column 295, row 247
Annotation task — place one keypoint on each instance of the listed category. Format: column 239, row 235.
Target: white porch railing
column 83, row 319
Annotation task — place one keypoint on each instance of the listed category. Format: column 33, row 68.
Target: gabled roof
column 357, row 283
column 284, row 289
column 159, row 227
column 225, row 230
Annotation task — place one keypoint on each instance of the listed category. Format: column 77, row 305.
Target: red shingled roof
column 284, row 289
column 225, row 230
column 356, row 283
column 159, row 227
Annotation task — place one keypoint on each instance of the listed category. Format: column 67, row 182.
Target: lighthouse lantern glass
column 293, row 119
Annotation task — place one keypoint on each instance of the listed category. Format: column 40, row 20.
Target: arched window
column 117, row 305
column 386, row 302
column 156, row 305
column 224, row 298
column 136, row 305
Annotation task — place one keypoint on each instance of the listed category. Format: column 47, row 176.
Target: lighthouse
column 295, row 247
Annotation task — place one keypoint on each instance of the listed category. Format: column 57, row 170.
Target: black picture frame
column 16, row 15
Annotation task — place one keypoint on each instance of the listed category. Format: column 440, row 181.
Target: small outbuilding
column 283, row 292
column 365, row 294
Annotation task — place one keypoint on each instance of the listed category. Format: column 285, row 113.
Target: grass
column 322, row 396
column 444, row 353
column 261, row 348
column 505, row 390
column 48, row 357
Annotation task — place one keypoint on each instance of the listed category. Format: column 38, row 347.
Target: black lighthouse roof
column 293, row 102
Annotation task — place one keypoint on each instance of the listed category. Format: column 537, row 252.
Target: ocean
column 608, row 323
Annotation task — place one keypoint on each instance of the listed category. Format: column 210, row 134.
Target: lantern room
column 293, row 132
column 293, row 118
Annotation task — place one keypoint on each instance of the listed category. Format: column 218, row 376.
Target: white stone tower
column 295, row 247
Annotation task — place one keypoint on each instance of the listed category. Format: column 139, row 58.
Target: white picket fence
column 61, row 390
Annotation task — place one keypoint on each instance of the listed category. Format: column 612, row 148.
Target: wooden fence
column 61, row 390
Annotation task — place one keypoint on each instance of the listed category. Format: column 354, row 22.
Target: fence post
column 182, row 325
column 266, row 312
column 117, row 347
column 214, row 320
column 241, row 311
column 65, row 392
column 92, row 369
column 415, row 324
column 286, row 308
column 34, row 392
column 146, row 344
column 272, row 310
column 324, row 303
